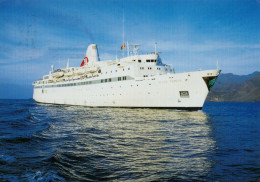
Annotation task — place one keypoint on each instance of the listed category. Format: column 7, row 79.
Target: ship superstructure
column 132, row 81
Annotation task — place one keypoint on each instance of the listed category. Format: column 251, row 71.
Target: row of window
column 152, row 60
column 148, row 60
column 106, row 80
column 85, row 83
column 116, row 70
column 149, row 68
column 121, row 78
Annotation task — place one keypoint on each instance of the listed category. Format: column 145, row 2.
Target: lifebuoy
column 84, row 61
column 86, row 58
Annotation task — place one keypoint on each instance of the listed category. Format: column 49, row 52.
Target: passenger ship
column 135, row 81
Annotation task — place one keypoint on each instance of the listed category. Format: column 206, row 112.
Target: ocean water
column 40, row 142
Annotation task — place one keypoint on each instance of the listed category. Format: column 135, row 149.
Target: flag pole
column 123, row 32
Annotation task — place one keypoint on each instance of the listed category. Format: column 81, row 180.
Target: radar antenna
column 135, row 48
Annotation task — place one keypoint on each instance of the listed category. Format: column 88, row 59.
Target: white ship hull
column 159, row 91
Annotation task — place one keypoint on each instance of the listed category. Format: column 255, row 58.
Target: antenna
column 68, row 64
column 127, row 48
column 155, row 49
column 217, row 65
column 123, row 30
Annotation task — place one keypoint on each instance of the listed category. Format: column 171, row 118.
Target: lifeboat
column 68, row 73
column 58, row 73
column 80, row 71
column 76, row 77
column 92, row 70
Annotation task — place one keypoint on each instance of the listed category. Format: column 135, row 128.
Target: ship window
column 139, row 61
column 155, row 60
column 184, row 94
column 128, row 68
column 101, row 81
column 152, row 60
column 109, row 79
column 148, row 60
column 119, row 78
column 105, row 80
column 134, row 60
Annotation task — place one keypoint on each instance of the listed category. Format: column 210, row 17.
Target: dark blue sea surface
column 42, row 142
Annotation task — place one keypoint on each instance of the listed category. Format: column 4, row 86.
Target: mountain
column 236, row 88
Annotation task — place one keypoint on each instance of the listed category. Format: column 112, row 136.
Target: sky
column 191, row 35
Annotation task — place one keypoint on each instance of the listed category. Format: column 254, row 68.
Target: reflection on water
column 69, row 143
column 127, row 144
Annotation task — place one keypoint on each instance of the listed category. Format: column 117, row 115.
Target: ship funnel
column 92, row 53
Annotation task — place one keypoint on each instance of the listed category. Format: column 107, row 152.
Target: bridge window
column 139, row 61
column 148, row 60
